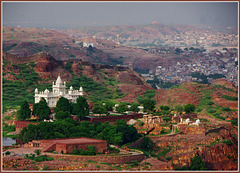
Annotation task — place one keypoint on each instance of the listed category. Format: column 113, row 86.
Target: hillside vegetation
column 100, row 82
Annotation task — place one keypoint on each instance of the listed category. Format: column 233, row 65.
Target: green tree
column 134, row 107
column 42, row 111
column 63, row 105
column 122, row 107
column 81, row 107
column 147, row 144
column 99, row 108
column 91, row 150
column 197, row 163
column 129, row 132
column 109, row 105
column 149, row 104
column 188, row 108
column 166, row 108
column 167, row 119
column 178, row 108
column 62, row 115
column 38, row 152
column 24, row 112
column 8, row 153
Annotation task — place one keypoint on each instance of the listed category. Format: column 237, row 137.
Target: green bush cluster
column 9, row 128
column 113, row 150
column 38, row 158
column 117, row 134
column 228, row 142
column 232, row 98
column 90, row 151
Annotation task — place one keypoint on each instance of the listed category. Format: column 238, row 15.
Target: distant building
column 67, row 145
column 86, row 44
column 59, row 90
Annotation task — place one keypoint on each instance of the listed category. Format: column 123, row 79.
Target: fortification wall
column 106, row 159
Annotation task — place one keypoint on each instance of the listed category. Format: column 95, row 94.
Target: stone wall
column 21, row 124
column 191, row 129
column 107, row 159
column 214, row 130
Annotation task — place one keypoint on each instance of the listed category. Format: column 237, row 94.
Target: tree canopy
column 118, row 134
column 99, row 108
column 62, row 115
column 64, row 105
column 24, row 112
column 149, row 104
column 134, row 107
column 81, row 107
column 178, row 108
column 197, row 163
column 188, row 108
column 41, row 109
column 122, row 107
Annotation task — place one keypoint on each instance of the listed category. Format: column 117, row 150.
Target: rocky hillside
column 26, row 42
column 21, row 75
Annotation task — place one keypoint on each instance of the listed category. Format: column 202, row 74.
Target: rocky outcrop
column 225, row 83
column 127, row 78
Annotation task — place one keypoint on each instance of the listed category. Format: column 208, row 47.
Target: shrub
column 234, row 122
column 228, row 142
column 226, row 109
column 113, row 150
column 38, row 152
column 232, row 98
column 189, row 108
column 211, row 111
column 8, row 153
column 168, row 158
column 197, row 163
column 141, row 123
column 199, row 109
column 210, row 103
column 75, row 151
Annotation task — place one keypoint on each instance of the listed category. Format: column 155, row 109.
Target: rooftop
column 74, row 140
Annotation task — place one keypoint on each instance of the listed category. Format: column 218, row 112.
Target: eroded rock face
column 216, row 154
column 128, row 78
column 220, row 157
column 45, row 63
column 225, row 83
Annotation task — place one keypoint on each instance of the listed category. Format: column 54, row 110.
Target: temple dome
column 81, row 89
column 46, row 91
column 59, row 80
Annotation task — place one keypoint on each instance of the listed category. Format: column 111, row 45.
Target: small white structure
column 58, row 90
column 87, row 44
column 197, row 122
column 141, row 109
column 187, row 120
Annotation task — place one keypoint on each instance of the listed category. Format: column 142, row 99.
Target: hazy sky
column 78, row 14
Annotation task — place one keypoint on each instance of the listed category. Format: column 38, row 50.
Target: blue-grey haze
column 80, row 14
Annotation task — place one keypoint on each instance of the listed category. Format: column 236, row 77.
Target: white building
column 58, row 90
column 87, row 44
